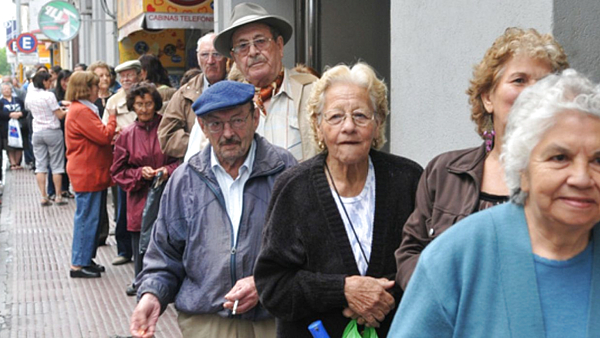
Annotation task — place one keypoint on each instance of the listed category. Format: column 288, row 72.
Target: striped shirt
column 42, row 104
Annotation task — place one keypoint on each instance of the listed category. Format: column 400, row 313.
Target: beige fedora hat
column 244, row 14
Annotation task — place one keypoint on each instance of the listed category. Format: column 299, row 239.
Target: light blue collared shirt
column 233, row 189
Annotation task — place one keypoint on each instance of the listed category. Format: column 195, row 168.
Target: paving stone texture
column 37, row 296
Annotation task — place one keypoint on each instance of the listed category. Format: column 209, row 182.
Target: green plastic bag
column 351, row 331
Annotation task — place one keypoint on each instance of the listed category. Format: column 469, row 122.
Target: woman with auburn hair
column 462, row 182
column 90, row 156
column 529, row 267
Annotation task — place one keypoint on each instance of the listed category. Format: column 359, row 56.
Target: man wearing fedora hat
column 209, row 228
column 255, row 41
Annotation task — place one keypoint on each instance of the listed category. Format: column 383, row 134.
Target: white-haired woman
column 335, row 220
column 459, row 183
column 531, row 267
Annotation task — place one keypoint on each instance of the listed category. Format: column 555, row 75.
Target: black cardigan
column 306, row 254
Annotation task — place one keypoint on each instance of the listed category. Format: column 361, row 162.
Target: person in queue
column 335, row 220
column 255, row 41
column 48, row 142
column 89, row 155
column 60, row 90
column 11, row 107
column 459, row 183
column 137, row 159
column 154, row 72
column 54, row 71
column 178, row 117
column 213, row 207
column 527, row 268
column 102, row 70
column 129, row 74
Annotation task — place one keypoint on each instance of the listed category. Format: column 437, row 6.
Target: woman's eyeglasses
column 360, row 118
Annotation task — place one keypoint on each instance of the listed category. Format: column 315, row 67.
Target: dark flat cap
column 223, row 95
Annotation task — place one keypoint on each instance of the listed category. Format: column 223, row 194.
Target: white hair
column 534, row 112
column 208, row 37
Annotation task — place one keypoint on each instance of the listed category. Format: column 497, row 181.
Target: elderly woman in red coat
column 137, row 159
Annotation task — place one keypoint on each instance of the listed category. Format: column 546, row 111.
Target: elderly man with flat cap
column 209, row 228
column 129, row 74
column 255, row 41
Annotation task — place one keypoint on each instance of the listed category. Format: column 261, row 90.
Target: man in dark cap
column 209, row 228
column 129, row 74
column 255, row 41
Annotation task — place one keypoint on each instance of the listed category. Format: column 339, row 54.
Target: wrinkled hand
column 145, row 316
column 244, row 291
column 148, row 173
column 368, row 299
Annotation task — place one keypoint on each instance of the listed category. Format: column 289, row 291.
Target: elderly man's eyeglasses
column 235, row 123
column 360, row 118
column 128, row 75
column 215, row 55
column 140, row 105
column 243, row 47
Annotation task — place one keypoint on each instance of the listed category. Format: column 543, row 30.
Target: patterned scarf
column 265, row 93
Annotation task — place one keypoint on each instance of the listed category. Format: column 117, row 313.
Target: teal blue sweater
column 478, row 280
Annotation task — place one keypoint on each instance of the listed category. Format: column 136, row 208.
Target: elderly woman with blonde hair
column 530, row 267
column 335, row 220
column 462, row 182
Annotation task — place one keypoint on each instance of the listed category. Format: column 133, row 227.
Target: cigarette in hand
column 235, row 305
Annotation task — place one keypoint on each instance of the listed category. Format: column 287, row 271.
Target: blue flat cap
column 223, row 95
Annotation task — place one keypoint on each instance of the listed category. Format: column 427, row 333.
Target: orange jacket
column 89, row 150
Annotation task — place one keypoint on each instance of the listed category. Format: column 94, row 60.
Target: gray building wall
column 577, row 28
column 356, row 30
column 434, row 45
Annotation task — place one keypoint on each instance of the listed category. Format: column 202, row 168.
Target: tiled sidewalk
column 37, row 297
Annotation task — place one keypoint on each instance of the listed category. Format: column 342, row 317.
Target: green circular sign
column 59, row 21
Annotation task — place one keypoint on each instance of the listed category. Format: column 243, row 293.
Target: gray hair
column 208, row 37
column 534, row 112
column 362, row 75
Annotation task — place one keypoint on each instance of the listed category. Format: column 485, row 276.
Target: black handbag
column 151, row 210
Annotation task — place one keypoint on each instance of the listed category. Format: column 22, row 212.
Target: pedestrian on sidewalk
column 138, row 159
column 11, row 107
column 48, row 143
column 129, row 73
column 209, row 227
column 89, row 153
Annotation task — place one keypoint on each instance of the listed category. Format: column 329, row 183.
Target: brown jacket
column 178, row 119
column 448, row 192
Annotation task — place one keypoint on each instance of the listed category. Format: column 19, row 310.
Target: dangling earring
column 489, row 133
column 321, row 145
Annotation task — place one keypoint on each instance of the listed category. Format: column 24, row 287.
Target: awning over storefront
column 136, row 15
column 155, row 21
